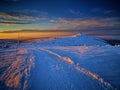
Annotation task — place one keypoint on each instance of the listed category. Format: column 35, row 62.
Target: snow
column 78, row 62
column 77, row 40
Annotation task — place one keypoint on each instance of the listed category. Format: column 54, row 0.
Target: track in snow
column 43, row 69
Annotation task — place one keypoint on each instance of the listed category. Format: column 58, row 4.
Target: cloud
column 12, row 0
column 86, row 23
column 14, row 22
column 18, row 18
column 96, row 10
column 102, row 11
column 74, row 12
column 108, row 11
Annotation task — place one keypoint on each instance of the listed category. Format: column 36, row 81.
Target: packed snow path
column 60, row 68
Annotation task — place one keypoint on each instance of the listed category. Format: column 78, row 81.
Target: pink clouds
column 85, row 23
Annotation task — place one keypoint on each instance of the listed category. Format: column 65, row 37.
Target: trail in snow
column 62, row 58
column 105, row 84
column 50, row 73
column 18, row 64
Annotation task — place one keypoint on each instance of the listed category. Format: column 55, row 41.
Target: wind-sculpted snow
column 18, row 69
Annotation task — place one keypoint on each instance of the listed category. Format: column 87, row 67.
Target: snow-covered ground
column 70, row 63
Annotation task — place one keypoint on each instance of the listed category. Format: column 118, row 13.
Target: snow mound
column 75, row 40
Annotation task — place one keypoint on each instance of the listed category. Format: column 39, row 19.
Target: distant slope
column 76, row 40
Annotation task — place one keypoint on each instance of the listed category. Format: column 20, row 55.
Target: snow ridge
column 75, row 40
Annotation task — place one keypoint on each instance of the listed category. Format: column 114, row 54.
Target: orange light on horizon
column 32, row 35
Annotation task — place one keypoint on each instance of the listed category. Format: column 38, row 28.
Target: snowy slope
column 76, row 40
column 62, row 64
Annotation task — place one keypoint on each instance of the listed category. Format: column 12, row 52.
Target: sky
column 94, row 17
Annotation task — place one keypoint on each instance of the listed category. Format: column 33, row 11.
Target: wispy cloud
column 18, row 18
column 108, row 11
column 103, row 11
column 7, row 18
column 96, row 10
column 12, row 0
column 14, row 22
column 74, row 12
column 86, row 23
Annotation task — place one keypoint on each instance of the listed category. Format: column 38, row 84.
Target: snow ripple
column 19, row 69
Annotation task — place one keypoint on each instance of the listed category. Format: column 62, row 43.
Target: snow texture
column 78, row 62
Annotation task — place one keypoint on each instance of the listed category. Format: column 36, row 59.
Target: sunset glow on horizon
column 34, row 35
column 97, row 17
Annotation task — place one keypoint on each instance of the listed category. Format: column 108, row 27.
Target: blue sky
column 100, row 16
